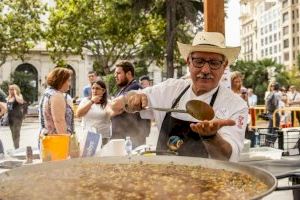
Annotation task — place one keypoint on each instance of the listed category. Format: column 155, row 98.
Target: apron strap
column 179, row 97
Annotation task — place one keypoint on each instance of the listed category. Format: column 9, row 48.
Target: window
column 279, row 47
column 293, row 28
column 294, row 41
column 266, row 52
column 294, row 56
column 271, row 51
column 286, row 56
column 270, row 39
column 285, row 17
column 286, row 43
column 275, row 49
column 262, row 31
column 293, row 15
column 275, row 37
column 266, row 40
column 262, row 53
column 266, row 29
column 284, row 3
column 285, row 30
column 262, row 42
column 270, row 27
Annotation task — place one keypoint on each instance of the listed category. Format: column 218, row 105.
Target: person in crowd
column 294, row 101
column 272, row 103
column 93, row 112
column 92, row 76
column 129, row 124
column 237, row 85
column 219, row 138
column 55, row 112
column 269, row 89
column 15, row 113
column 2, row 96
column 145, row 81
column 252, row 98
column 283, row 90
column 285, row 116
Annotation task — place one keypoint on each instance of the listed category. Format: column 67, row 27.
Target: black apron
column 192, row 142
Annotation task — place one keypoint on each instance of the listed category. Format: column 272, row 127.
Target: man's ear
column 188, row 60
column 128, row 74
column 225, row 63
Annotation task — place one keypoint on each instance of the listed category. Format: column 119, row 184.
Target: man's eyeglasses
column 213, row 64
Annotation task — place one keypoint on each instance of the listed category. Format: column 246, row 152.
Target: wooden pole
column 214, row 16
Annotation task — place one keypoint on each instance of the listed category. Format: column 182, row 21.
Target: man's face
column 206, row 70
column 121, row 77
column 92, row 77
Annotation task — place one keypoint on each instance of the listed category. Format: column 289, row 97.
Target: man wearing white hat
column 220, row 138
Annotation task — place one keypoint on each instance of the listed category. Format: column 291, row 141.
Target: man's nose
column 206, row 68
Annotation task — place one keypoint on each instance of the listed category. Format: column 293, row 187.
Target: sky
column 232, row 24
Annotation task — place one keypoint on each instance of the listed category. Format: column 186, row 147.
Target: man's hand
column 131, row 102
column 208, row 128
column 134, row 102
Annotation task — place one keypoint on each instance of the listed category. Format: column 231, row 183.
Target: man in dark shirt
column 129, row 124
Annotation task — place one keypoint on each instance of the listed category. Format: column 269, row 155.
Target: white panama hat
column 209, row 42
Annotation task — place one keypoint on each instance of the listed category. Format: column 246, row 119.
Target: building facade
column 269, row 30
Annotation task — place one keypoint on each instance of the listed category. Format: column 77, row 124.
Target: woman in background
column 56, row 114
column 237, row 85
column 15, row 115
column 93, row 112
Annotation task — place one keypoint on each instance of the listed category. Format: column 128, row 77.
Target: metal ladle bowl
column 199, row 110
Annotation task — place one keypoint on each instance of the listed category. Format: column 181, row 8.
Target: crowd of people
column 276, row 97
column 128, row 113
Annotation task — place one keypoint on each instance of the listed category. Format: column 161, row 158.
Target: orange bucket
column 55, row 147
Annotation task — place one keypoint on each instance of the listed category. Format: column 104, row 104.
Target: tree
column 20, row 27
column 108, row 29
column 177, row 13
column 298, row 61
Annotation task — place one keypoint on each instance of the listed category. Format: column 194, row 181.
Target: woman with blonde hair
column 56, row 114
column 15, row 103
column 237, row 85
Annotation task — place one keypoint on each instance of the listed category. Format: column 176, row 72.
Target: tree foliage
column 20, row 27
column 109, row 30
column 256, row 75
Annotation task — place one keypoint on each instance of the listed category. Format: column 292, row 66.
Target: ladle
column 196, row 108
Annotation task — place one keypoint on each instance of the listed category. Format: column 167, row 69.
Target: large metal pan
column 23, row 173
